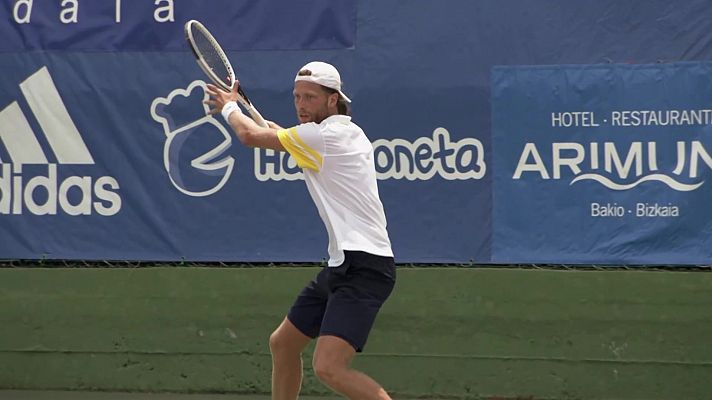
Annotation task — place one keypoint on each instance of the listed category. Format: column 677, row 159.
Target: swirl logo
column 195, row 142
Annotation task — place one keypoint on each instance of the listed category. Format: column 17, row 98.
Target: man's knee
column 332, row 357
column 327, row 371
column 275, row 341
column 279, row 342
column 287, row 340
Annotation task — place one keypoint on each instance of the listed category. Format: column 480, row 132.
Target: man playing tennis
column 340, row 305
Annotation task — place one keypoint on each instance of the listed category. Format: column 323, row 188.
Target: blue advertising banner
column 106, row 151
column 94, row 168
column 109, row 154
column 116, row 25
column 603, row 164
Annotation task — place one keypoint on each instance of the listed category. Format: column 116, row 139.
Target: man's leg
column 286, row 344
column 332, row 360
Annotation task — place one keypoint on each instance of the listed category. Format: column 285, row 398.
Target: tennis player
column 339, row 306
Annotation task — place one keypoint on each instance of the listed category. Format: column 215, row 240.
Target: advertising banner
column 129, row 25
column 603, row 164
column 562, row 132
column 106, row 151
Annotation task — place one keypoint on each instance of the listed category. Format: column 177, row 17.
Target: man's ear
column 333, row 99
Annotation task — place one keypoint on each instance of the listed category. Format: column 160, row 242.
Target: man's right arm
column 253, row 135
column 247, row 130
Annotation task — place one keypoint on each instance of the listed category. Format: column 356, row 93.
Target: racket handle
column 256, row 116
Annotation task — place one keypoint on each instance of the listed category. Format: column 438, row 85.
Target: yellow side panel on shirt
column 306, row 156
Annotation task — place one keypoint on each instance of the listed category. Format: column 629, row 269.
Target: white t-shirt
column 340, row 172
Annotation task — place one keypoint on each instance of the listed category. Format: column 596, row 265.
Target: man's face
column 312, row 102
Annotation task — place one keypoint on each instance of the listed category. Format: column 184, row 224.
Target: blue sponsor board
column 129, row 25
column 155, row 179
column 106, row 151
column 92, row 168
column 603, row 164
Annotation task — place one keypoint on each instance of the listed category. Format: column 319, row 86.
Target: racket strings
column 213, row 57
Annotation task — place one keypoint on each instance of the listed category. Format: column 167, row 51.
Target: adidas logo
column 48, row 192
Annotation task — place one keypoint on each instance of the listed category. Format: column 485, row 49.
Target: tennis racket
column 212, row 60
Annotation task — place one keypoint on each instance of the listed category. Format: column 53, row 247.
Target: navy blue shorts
column 343, row 301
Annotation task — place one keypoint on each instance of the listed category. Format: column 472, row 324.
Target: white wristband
column 228, row 109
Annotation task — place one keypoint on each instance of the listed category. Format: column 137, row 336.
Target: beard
column 315, row 116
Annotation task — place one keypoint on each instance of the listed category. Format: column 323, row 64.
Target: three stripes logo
column 48, row 192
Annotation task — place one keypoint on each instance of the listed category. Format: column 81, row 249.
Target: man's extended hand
column 220, row 97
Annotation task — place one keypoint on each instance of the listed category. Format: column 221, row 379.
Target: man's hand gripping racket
column 214, row 62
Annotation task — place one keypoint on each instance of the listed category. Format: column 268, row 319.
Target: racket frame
column 241, row 96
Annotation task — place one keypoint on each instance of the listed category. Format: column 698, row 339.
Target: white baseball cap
column 323, row 74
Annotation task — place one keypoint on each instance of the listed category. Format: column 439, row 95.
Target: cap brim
column 345, row 97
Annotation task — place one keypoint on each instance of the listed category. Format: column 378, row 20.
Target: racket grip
column 256, row 116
